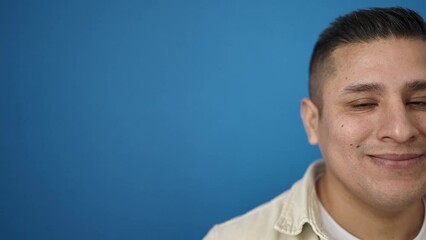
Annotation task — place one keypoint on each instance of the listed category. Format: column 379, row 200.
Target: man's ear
column 310, row 118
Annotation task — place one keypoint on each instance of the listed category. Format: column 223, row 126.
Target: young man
column 367, row 113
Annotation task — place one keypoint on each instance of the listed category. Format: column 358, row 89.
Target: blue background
column 152, row 119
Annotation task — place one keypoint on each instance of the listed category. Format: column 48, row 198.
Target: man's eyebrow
column 417, row 85
column 363, row 87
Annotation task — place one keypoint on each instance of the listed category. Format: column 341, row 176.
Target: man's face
column 372, row 130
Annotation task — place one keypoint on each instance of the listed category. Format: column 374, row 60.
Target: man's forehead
column 351, row 52
column 377, row 62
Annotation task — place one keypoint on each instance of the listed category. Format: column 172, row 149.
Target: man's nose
column 397, row 125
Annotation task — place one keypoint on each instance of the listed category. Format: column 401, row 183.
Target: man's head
column 370, row 82
column 361, row 26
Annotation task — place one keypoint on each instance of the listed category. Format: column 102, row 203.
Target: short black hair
column 361, row 26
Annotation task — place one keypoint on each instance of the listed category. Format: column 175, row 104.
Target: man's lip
column 396, row 157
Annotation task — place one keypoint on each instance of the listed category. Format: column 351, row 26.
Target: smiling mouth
column 397, row 161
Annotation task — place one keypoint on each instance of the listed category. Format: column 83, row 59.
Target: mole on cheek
column 357, row 146
column 342, row 125
column 351, row 144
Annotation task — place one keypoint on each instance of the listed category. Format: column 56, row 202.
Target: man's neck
column 365, row 221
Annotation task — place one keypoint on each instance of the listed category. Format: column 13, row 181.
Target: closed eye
column 360, row 106
column 417, row 104
column 364, row 105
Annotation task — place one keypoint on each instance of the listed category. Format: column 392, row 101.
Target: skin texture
column 372, row 135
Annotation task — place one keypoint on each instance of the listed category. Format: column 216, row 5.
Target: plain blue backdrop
column 152, row 119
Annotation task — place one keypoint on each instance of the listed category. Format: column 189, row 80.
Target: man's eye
column 417, row 104
column 366, row 105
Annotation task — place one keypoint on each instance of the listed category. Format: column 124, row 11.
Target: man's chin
column 395, row 198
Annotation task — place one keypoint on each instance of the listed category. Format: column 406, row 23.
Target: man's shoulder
column 284, row 217
column 258, row 223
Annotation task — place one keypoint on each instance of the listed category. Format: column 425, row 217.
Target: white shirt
column 336, row 232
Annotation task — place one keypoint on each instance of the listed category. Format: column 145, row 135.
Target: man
column 367, row 113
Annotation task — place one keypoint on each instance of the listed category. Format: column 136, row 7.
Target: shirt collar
column 301, row 205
